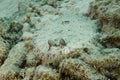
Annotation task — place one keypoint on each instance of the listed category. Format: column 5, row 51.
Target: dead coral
column 10, row 72
column 27, row 18
column 15, row 61
column 54, row 57
column 112, row 39
column 15, row 27
column 27, row 36
column 76, row 69
column 4, row 47
column 29, row 45
column 54, row 3
column 31, row 60
column 45, row 73
column 2, row 30
column 14, row 32
column 27, row 73
column 107, row 63
column 107, row 13
column 46, row 9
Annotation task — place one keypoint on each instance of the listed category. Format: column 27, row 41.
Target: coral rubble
column 108, row 14
column 76, row 69
column 26, row 55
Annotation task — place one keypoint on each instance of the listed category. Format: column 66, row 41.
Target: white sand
column 8, row 7
column 72, row 26
column 76, row 29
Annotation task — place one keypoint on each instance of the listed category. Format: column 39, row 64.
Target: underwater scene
column 59, row 39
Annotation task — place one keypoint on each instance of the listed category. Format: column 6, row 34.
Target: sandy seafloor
column 78, row 32
column 58, row 19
